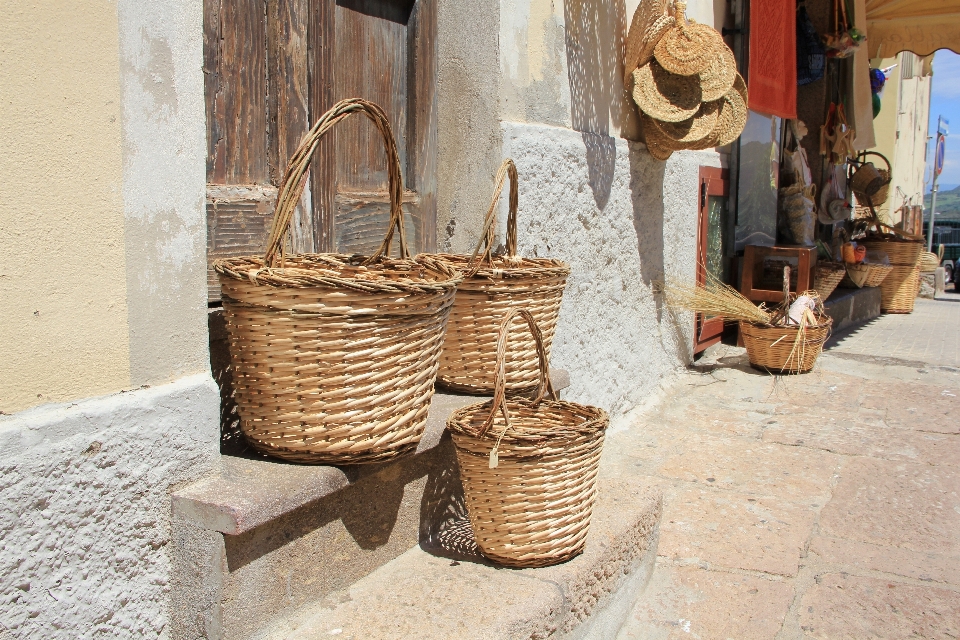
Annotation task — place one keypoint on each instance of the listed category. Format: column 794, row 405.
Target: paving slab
column 916, row 565
column 849, row 606
column 689, row 602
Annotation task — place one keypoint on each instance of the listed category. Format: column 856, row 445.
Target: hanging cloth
column 861, row 98
column 811, row 56
column 772, row 77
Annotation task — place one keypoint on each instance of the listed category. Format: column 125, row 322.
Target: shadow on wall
column 594, row 32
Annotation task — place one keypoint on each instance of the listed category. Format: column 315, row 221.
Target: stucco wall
column 86, row 543
column 62, row 267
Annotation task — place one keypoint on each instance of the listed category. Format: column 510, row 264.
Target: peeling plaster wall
column 62, row 278
column 587, row 194
column 164, row 173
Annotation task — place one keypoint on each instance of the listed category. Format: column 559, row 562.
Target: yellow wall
column 63, row 334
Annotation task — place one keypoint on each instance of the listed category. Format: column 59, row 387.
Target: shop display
column 529, row 467
column 786, row 339
column 335, row 356
column 492, row 285
column 685, row 82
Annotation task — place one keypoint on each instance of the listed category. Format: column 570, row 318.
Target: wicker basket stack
column 685, row 81
column 898, row 290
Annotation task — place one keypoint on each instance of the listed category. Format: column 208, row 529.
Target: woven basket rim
column 824, row 322
column 594, row 419
column 340, row 270
column 504, row 267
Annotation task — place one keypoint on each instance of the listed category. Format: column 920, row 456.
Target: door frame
column 714, row 181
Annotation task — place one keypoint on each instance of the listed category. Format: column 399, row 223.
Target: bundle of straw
column 714, row 298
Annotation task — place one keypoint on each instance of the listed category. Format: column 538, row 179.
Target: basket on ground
column 787, row 349
column 898, row 290
column 529, row 467
column 827, row 276
column 492, row 285
column 335, row 356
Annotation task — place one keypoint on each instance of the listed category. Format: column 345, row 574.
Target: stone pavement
column 818, row 506
column 930, row 334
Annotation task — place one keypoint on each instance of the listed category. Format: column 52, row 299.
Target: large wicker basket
column 335, row 356
column 827, row 276
column 898, row 290
column 529, row 467
column 491, row 286
column 782, row 349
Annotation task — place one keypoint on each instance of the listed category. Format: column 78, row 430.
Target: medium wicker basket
column 335, row 356
column 491, row 286
column 876, row 274
column 529, row 467
column 827, row 277
column 781, row 350
column 898, row 290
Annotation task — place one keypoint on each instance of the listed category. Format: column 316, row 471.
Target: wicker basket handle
column 545, row 388
column 508, row 168
column 294, row 180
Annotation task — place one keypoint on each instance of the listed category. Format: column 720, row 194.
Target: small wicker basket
column 827, row 277
column 783, row 349
column 856, row 275
column 868, row 183
column 335, row 356
column 491, row 286
column 876, row 274
column 529, row 467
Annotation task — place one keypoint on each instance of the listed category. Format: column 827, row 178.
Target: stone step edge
column 249, row 492
column 428, row 594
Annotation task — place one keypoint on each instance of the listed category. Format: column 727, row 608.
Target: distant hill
column 948, row 204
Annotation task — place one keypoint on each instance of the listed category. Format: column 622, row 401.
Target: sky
column 945, row 102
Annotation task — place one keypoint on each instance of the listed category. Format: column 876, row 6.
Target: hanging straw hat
column 719, row 75
column 687, row 49
column 649, row 23
column 658, row 145
column 692, row 129
column 666, row 96
column 731, row 119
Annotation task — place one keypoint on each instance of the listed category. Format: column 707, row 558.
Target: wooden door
column 711, row 245
column 272, row 67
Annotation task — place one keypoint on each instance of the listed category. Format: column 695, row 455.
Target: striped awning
column 920, row 26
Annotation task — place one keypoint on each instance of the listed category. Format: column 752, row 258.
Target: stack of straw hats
column 685, row 81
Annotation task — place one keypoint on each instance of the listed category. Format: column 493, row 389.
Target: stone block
column 852, row 307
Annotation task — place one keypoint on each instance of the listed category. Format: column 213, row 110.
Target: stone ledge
column 252, row 491
column 429, row 594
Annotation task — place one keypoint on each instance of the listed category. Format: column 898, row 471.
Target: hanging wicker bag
column 785, row 349
column 335, row 356
column 491, row 286
column 529, row 467
column 868, row 183
column 827, row 277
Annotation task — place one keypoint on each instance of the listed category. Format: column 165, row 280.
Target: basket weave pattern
column 334, row 356
column 827, row 277
column 492, row 286
column 533, row 509
column 898, row 290
column 877, row 274
column 777, row 348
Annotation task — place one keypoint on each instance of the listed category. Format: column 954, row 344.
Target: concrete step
column 444, row 588
column 281, row 535
column 852, row 307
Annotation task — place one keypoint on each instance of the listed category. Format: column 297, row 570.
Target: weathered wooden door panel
column 272, row 67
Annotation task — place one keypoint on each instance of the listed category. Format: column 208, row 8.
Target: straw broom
column 714, row 298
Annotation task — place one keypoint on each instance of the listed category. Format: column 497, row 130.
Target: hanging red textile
column 772, row 77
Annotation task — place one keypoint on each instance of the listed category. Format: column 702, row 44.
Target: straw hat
column 718, row 77
column 687, row 49
column 731, row 119
column 692, row 129
column 658, row 145
column 649, row 23
column 666, row 96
